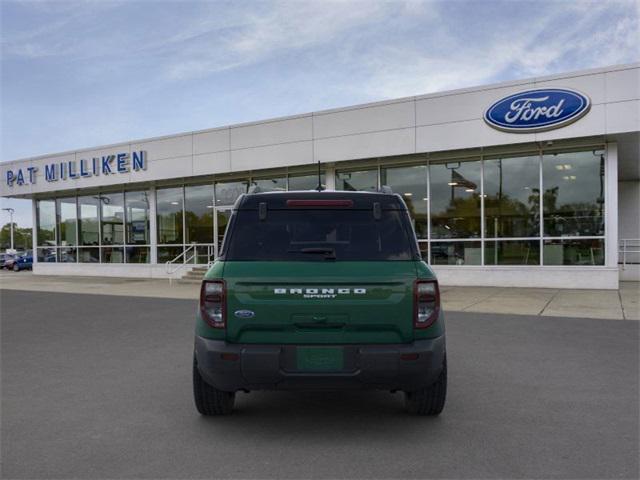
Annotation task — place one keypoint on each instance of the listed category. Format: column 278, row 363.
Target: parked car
column 23, row 262
column 8, row 260
column 320, row 290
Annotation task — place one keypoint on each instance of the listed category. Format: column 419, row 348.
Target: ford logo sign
column 244, row 314
column 537, row 110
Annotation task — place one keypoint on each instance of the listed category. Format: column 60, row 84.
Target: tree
column 21, row 237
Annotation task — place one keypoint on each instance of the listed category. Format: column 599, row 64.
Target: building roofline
column 444, row 93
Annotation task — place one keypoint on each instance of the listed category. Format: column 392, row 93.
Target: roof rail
column 385, row 189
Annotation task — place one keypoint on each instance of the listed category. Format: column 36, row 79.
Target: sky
column 87, row 73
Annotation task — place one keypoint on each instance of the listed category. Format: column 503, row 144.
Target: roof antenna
column 319, row 187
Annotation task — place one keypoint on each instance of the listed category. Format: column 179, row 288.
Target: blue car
column 23, row 262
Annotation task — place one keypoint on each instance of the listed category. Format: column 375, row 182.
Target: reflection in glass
column 198, row 213
column 137, row 254
column 112, row 255
column 411, row 184
column 228, row 192
column 455, row 200
column 137, row 218
column 512, row 197
column 67, row 255
column 89, row 255
column 306, row 182
column 169, row 207
column 47, row 254
column 67, row 213
column 46, row 217
column 512, row 252
column 456, row 253
column 276, row 184
column 112, row 205
column 366, row 180
column 168, row 253
column 573, row 198
column 88, row 220
column 574, row 252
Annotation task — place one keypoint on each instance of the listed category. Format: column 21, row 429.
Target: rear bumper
column 231, row 367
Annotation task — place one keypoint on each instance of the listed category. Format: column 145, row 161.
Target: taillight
column 213, row 303
column 426, row 303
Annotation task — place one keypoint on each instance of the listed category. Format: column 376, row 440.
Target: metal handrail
column 186, row 261
column 628, row 245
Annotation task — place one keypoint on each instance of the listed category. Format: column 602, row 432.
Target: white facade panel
column 367, row 119
column 271, row 133
column 378, row 144
column 210, row 163
column 623, row 85
column 258, row 158
column 175, row 167
column 460, row 107
column 469, row 134
column 623, row 116
column 171, row 147
column 211, row 141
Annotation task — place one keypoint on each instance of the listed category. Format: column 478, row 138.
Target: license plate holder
column 320, row 359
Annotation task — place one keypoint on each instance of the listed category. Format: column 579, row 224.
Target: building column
column 34, row 231
column 330, row 176
column 153, row 219
column 611, row 205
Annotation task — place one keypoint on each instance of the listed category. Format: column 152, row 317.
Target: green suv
column 320, row 290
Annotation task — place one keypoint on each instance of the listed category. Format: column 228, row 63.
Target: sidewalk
column 607, row 304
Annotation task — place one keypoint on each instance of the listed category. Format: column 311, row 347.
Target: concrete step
column 189, row 281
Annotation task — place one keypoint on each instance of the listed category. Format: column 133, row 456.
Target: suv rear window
column 318, row 235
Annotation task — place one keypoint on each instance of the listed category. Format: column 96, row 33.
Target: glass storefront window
column 456, row 253
column 137, row 254
column 47, row 254
column 88, row 227
column 228, row 192
column 67, row 221
column 411, row 184
column 366, row 180
column 112, row 218
column 137, row 218
column 455, row 200
column 512, row 197
column 198, row 213
column 573, row 252
column 67, row 255
column 169, row 208
column 112, row 255
column 276, row 184
column 573, row 198
column 306, row 182
column 512, row 252
column 46, row 218
column 166, row 254
column 89, row 255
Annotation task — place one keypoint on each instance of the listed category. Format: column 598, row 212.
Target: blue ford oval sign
column 244, row 313
column 537, row 110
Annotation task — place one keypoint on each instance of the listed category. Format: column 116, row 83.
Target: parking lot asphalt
column 97, row 386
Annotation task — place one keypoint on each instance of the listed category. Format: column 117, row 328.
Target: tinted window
column 318, row 235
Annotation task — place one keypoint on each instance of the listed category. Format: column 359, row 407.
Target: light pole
column 11, row 212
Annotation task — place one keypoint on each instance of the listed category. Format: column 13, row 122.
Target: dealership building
column 529, row 183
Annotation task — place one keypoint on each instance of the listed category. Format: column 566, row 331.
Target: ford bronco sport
column 319, row 290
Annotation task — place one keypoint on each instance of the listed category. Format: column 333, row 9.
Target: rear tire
column 210, row 400
column 429, row 400
column 16, row 268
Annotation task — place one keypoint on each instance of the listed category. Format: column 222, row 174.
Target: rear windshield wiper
column 330, row 253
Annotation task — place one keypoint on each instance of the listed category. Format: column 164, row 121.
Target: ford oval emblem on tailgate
column 244, row 314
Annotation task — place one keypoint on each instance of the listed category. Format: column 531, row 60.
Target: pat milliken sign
column 537, row 110
column 115, row 164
